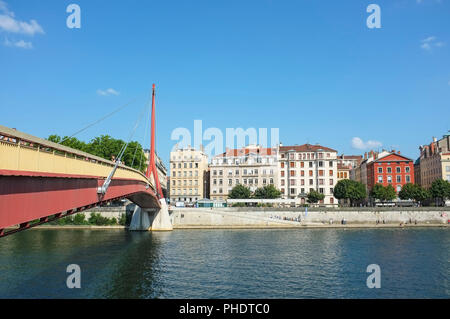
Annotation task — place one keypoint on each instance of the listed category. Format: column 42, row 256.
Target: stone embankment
column 185, row 218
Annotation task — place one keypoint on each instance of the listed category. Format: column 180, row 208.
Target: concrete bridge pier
column 154, row 219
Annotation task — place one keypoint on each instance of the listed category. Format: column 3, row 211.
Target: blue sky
column 310, row 68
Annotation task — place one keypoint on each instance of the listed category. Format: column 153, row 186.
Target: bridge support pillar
column 151, row 219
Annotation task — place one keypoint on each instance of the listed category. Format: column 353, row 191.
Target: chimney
column 398, row 153
column 365, row 155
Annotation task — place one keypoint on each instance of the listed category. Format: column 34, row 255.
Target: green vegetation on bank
column 107, row 147
column 95, row 219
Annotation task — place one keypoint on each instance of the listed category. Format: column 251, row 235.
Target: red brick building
column 390, row 169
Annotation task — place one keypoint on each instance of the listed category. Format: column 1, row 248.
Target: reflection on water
column 306, row 263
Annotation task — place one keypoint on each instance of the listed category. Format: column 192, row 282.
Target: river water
column 301, row 263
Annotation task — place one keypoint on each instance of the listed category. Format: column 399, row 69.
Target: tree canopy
column 440, row 189
column 267, row 192
column 108, row 148
column 314, row 197
column 413, row 191
column 240, row 192
column 383, row 193
column 349, row 189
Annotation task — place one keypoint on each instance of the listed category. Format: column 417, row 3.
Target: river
column 283, row 263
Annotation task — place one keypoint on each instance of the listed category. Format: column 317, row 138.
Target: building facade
column 307, row 167
column 252, row 166
column 187, row 176
column 390, row 168
column 435, row 161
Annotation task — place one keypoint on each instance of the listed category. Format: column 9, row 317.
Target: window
column 389, row 170
column 292, row 182
column 389, row 179
column 331, row 172
column 292, row 164
column 237, row 182
column 399, row 188
column 331, row 163
column 302, row 173
column 321, row 172
column 380, row 179
column 292, row 191
column 331, row 181
column 380, row 170
column 271, row 181
column 310, row 164
column 230, row 182
column 398, row 169
column 399, row 179
column 311, row 182
column 282, row 164
column 407, row 169
column 174, row 174
column 321, row 190
column 302, row 164
column 196, row 165
column 292, row 173
column 310, row 173
column 282, row 173
column 331, row 200
column 408, row 179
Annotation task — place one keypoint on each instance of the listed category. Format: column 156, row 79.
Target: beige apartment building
column 252, row 166
column 188, row 171
column 434, row 161
column 307, row 167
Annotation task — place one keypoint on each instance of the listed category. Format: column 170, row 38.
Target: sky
column 312, row 69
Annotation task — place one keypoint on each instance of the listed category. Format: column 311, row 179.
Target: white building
column 252, row 166
column 303, row 168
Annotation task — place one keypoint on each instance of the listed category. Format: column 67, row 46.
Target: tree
column 407, row 192
column 108, row 148
column 383, row 193
column 389, row 193
column 349, row 189
column 440, row 190
column 267, row 192
column 340, row 190
column 240, row 192
column 415, row 192
column 314, row 196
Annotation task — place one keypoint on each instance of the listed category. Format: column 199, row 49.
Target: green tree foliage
column 440, row 190
column 415, row 192
column 240, row 192
column 267, row 192
column 108, row 148
column 349, row 189
column 314, row 197
column 382, row 193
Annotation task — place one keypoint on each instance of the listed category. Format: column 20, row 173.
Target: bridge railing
column 20, row 152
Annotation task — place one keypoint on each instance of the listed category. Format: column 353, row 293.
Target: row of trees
column 355, row 192
column 268, row 192
column 108, row 148
column 243, row 192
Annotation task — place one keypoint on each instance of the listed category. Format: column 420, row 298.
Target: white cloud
column 107, row 92
column 359, row 144
column 19, row 44
column 9, row 23
column 430, row 42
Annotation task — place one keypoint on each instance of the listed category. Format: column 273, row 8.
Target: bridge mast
column 152, row 165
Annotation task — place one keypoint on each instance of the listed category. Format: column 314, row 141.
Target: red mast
column 151, row 169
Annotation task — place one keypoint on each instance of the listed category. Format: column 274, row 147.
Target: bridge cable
column 102, row 189
column 99, row 120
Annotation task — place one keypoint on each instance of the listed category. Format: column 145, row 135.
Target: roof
column 357, row 157
column 306, row 148
column 245, row 151
column 384, row 158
